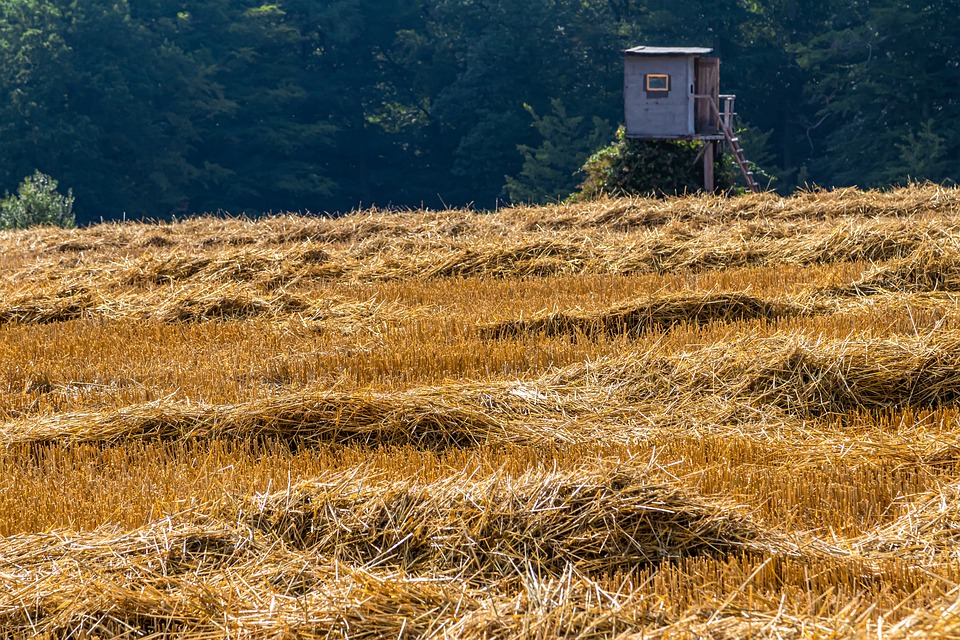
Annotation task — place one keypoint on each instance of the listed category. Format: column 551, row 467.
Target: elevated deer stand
column 673, row 93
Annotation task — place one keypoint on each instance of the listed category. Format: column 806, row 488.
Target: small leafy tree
column 924, row 155
column 649, row 167
column 37, row 202
column 549, row 170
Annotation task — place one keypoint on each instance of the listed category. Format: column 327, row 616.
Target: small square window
column 658, row 82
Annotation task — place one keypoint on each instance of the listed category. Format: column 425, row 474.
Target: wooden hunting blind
column 673, row 93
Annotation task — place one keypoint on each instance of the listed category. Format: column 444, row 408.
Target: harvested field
column 929, row 268
column 652, row 313
column 698, row 417
column 781, row 379
column 612, row 518
column 191, row 303
column 615, row 237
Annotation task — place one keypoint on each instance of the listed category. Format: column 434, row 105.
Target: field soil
column 686, row 418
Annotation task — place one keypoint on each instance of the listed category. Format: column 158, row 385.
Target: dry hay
column 793, row 374
column 667, row 250
column 190, row 304
column 355, row 556
column 398, row 225
column 927, row 531
column 857, row 240
column 248, row 264
column 853, row 622
column 541, row 554
column 348, row 317
column 811, row 379
column 618, row 214
column 640, row 212
column 176, row 580
column 782, row 375
column 940, row 621
column 524, row 259
column 609, row 236
column 462, row 415
column 123, row 587
column 623, row 399
column 60, row 305
column 653, row 312
column 192, row 576
column 931, row 268
column 193, row 302
column 607, row 519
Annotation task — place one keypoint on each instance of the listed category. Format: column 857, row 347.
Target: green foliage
column 922, row 155
column 760, row 159
column 253, row 105
column 218, row 107
column 36, row 203
column 550, row 169
column 645, row 167
column 883, row 77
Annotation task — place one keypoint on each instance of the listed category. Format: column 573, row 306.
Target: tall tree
column 884, row 78
column 550, row 170
column 112, row 117
column 252, row 105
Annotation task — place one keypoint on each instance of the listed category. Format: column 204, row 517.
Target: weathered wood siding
column 671, row 116
column 707, row 84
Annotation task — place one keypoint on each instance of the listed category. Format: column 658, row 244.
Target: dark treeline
column 156, row 106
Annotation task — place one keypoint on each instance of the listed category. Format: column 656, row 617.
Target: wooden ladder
column 734, row 143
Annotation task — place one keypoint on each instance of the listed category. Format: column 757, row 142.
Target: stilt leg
column 708, row 166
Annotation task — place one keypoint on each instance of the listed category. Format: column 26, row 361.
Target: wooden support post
column 708, row 154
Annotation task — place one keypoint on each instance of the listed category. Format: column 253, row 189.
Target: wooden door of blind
column 707, row 84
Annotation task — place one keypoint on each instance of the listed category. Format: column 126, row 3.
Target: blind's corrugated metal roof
column 668, row 51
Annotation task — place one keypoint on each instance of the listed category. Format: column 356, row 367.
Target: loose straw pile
column 653, row 312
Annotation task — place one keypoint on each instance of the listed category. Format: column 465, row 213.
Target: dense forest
column 160, row 107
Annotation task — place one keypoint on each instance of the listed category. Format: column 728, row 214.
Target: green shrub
column 649, row 167
column 37, row 202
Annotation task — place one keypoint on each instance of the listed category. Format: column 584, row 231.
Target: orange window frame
column 655, row 78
